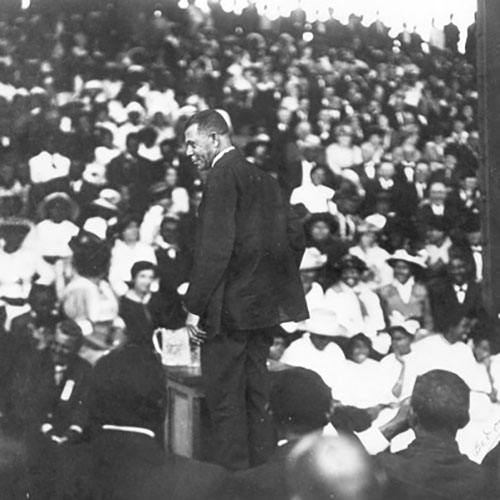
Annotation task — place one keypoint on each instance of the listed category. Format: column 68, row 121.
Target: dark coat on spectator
column 130, row 466
column 433, row 470
column 268, row 481
column 446, row 307
column 60, row 405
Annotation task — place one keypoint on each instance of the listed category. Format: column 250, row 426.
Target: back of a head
column 440, row 401
column 300, row 400
column 325, row 468
column 209, row 121
column 128, row 388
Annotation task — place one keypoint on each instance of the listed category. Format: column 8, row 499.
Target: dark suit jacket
column 245, row 272
column 119, row 465
column 268, row 481
column 446, row 307
column 61, row 405
column 397, row 194
column 430, row 470
column 424, row 215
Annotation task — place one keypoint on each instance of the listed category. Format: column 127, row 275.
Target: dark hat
column 72, row 208
column 128, row 388
column 374, row 130
column 159, row 190
column 15, row 225
column 70, row 328
column 351, row 262
column 300, row 397
column 142, row 265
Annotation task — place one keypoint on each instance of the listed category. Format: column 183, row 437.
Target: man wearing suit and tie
column 244, row 283
column 457, row 295
column 52, row 404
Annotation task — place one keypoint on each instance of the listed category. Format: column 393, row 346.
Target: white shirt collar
column 218, row 156
column 124, row 428
column 132, row 295
column 405, row 289
column 437, row 209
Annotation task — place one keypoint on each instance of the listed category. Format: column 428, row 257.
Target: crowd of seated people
column 373, row 140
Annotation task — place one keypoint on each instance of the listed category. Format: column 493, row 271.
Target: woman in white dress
column 51, row 236
column 126, row 251
column 398, row 368
column 367, row 249
column 362, row 383
column 316, row 350
column 342, row 153
column 357, row 308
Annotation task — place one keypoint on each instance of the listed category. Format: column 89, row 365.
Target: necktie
column 362, row 305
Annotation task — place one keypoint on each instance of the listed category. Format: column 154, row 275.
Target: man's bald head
column 325, row 468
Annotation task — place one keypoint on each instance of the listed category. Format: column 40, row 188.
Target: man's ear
column 214, row 139
column 412, row 418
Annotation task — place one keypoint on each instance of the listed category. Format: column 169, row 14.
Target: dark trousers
column 237, row 393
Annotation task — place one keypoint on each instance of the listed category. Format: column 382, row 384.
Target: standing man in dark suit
column 244, row 283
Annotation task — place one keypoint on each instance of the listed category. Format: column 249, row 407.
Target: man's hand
column 399, row 422
column 196, row 335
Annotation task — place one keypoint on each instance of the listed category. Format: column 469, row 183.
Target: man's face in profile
column 201, row 148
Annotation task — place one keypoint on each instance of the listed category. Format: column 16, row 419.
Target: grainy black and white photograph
column 249, row 250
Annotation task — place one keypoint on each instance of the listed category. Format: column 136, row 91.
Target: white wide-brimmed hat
column 323, row 322
column 312, row 259
column 404, row 256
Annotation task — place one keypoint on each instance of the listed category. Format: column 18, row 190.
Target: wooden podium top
column 186, row 375
column 192, row 377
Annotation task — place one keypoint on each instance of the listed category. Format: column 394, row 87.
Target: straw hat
column 374, row 223
column 323, row 322
column 312, row 259
column 403, row 255
column 108, row 199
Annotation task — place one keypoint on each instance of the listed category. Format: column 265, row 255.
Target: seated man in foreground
column 432, row 466
column 125, row 460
